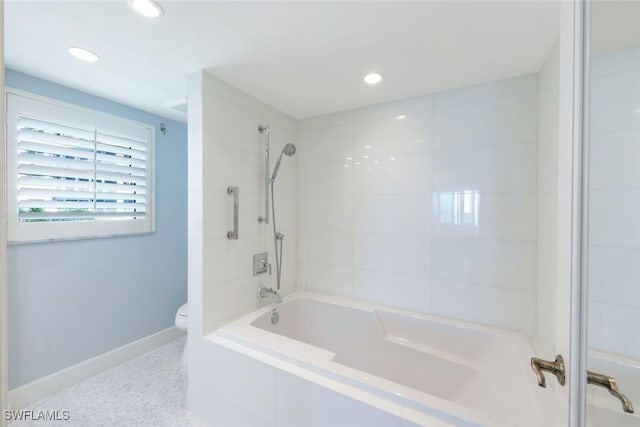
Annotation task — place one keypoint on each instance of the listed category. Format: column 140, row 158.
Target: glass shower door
column 612, row 242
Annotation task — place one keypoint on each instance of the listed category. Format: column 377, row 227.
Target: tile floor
column 148, row 391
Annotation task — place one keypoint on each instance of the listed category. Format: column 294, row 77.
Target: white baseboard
column 27, row 394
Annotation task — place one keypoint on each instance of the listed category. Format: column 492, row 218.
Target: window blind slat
column 138, row 198
column 46, row 194
column 55, row 216
column 50, row 171
column 54, row 128
column 54, row 150
column 114, row 141
column 119, row 178
column 121, row 160
column 102, row 187
column 58, row 162
column 26, row 136
column 58, row 204
column 53, row 183
column 83, row 215
column 120, row 207
column 134, row 154
column 123, row 170
column 121, row 198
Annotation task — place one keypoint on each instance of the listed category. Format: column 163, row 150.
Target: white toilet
column 182, row 323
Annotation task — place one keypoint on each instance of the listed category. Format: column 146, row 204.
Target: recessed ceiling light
column 367, row 147
column 401, row 116
column 373, row 78
column 147, row 8
column 637, row 110
column 83, row 54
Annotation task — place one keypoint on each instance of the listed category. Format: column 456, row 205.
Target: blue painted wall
column 70, row 301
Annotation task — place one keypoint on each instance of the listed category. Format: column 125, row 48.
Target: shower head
column 289, row 150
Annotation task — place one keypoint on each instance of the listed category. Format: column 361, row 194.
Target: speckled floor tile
column 146, row 391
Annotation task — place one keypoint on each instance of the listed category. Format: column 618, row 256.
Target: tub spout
column 274, row 296
column 610, row 384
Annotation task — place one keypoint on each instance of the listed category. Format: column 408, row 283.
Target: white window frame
column 21, row 102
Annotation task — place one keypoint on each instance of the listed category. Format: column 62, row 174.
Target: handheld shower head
column 289, row 149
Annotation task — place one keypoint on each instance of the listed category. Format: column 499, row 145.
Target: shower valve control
column 261, row 264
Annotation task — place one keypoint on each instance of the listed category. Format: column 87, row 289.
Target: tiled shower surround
column 427, row 204
column 614, row 198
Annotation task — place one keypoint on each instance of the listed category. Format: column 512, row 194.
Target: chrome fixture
column 235, row 193
column 268, row 293
column 289, row 150
column 556, row 368
column 275, row 317
column 269, row 178
column 264, row 129
column 610, row 384
column 261, row 264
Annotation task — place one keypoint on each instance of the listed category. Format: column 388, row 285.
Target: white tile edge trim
column 41, row 388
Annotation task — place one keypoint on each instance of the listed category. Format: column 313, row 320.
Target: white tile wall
column 548, row 178
column 614, row 211
column 232, row 153
column 434, row 212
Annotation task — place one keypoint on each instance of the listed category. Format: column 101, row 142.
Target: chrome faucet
column 609, row 383
column 274, row 296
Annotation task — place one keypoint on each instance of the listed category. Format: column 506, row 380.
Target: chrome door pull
column 610, row 384
column 556, row 368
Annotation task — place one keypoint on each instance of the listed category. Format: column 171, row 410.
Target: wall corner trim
column 23, row 396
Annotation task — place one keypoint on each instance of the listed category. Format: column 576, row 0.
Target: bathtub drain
column 274, row 317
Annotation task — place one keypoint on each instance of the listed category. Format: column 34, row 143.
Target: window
column 76, row 173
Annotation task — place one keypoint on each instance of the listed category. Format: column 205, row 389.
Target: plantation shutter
column 75, row 173
column 70, row 174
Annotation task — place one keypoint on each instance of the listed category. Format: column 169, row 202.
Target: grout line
column 486, row 146
column 352, row 219
column 614, row 190
column 479, row 285
column 603, row 246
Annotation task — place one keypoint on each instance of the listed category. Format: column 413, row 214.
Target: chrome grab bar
column 556, row 368
column 235, row 193
column 610, row 384
column 264, row 129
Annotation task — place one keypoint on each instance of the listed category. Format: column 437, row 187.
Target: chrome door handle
column 610, row 384
column 556, row 368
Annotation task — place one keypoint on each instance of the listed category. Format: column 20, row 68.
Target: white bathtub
column 419, row 370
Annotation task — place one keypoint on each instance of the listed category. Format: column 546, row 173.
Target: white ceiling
column 304, row 58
